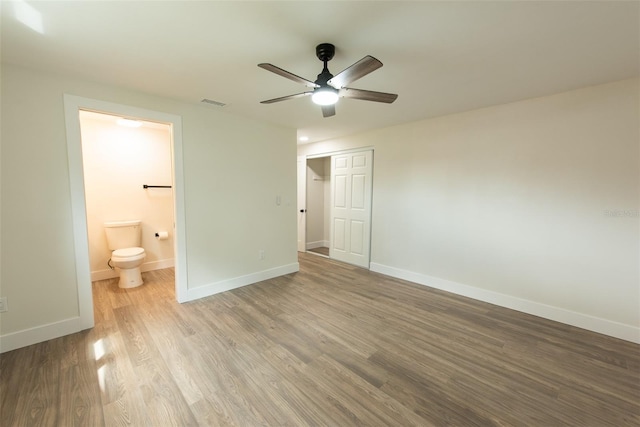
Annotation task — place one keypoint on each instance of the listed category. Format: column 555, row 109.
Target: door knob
column 303, row 210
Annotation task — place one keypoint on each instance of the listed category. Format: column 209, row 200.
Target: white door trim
column 72, row 105
column 338, row 153
column 302, row 203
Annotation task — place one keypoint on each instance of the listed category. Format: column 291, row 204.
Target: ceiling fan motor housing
column 325, row 51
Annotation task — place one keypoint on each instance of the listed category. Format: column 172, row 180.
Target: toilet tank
column 123, row 234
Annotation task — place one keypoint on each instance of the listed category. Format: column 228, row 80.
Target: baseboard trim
column 26, row 337
column 237, row 282
column 147, row 266
column 591, row 323
column 318, row 244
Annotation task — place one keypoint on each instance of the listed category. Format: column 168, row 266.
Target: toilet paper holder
column 162, row 235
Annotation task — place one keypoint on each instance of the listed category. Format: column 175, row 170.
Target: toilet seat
column 127, row 254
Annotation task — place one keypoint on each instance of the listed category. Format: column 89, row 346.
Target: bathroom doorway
column 127, row 176
column 74, row 107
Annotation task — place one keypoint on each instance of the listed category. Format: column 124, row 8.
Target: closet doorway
column 334, row 195
column 318, row 190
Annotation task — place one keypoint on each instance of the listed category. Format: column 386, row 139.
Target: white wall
column 233, row 170
column 117, row 162
column 512, row 204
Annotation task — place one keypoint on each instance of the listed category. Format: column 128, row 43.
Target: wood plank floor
column 331, row 345
column 322, row 250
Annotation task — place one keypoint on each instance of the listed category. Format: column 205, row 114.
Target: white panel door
column 302, row 203
column 351, row 187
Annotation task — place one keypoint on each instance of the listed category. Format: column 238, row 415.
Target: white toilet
column 123, row 238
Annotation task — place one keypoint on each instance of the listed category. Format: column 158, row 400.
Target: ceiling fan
column 328, row 88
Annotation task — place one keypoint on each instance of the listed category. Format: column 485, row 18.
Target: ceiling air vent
column 212, row 102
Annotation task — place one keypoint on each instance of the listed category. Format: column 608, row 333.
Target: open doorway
column 127, row 177
column 318, row 226
column 73, row 106
column 335, row 200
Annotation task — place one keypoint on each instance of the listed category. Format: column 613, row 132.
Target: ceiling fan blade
column 284, row 73
column 328, row 110
column 368, row 95
column 284, row 98
column 356, row 71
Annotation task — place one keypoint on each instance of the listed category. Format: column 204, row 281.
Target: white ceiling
column 440, row 57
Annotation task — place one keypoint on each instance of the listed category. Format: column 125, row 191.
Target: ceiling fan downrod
column 325, row 52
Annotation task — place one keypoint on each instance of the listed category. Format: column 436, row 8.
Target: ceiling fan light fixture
column 325, row 96
column 327, row 87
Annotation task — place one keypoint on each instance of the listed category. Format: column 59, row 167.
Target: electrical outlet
column 261, row 254
column 3, row 305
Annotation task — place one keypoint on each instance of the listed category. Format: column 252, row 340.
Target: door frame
column 302, row 203
column 72, row 106
column 304, row 184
